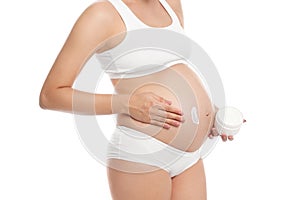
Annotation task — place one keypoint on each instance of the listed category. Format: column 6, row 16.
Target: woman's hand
column 150, row 108
column 214, row 133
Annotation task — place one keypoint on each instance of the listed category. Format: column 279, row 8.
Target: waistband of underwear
column 138, row 135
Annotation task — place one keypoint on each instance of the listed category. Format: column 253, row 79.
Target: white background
column 255, row 46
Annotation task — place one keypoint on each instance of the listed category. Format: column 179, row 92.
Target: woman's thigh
column 191, row 184
column 155, row 184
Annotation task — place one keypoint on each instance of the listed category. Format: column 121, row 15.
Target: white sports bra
column 136, row 62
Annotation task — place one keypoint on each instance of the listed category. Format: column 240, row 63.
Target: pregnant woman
column 167, row 103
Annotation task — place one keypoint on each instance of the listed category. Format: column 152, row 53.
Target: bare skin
column 188, row 185
column 97, row 23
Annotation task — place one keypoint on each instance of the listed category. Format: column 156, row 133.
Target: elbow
column 44, row 100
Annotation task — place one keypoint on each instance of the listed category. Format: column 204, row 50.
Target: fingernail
column 224, row 137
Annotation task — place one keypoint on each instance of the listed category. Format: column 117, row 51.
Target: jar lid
column 229, row 117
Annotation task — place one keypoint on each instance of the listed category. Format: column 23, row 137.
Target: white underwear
column 132, row 145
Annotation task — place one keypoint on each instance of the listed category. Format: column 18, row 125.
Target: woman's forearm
column 67, row 99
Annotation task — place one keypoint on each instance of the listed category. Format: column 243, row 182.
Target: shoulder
column 100, row 10
column 98, row 20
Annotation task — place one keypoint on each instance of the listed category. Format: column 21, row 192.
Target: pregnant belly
column 185, row 89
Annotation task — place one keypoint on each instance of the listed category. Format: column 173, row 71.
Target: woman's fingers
column 150, row 108
column 214, row 132
column 160, row 124
column 167, row 114
column 224, row 137
column 162, row 100
column 172, row 109
column 165, row 120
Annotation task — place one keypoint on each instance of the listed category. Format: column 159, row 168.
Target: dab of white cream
column 194, row 114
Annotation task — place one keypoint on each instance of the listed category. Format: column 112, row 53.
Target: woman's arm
column 93, row 26
column 96, row 24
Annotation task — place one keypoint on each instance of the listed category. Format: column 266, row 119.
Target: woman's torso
column 177, row 83
column 184, row 88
